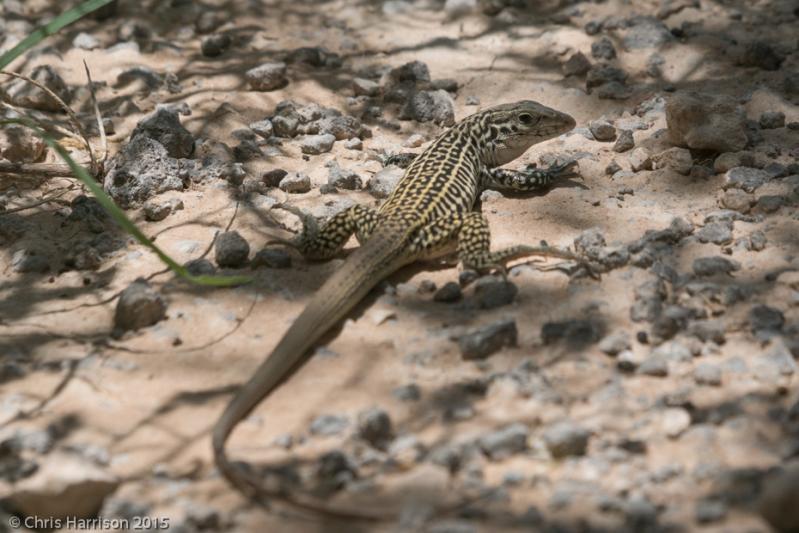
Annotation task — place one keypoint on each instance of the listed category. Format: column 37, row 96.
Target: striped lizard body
column 430, row 214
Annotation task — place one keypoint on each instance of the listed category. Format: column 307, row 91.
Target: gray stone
column 29, row 261
column 327, row 425
column 353, row 144
column 746, row 178
column 624, row 142
column 271, row 258
column 492, row 291
column 272, row 178
column 448, row 293
column 482, row 342
column 730, row 160
column 295, row 183
column 654, row 366
column 576, row 65
column 426, row 106
column 159, row 210
column 716, row 232
column 640, row 159
column 164, row 126
column 341, row 127
column 677, row 159
column 214, row 45
column 600, row 75
column 603, row 49
column 772, row 120
column 231, row 250
column 317, row 144
column 138, row 306
column 263, row 128
column 737, row 200
column 343, row 178
column 285, row 126
column 504, row 442
column 762, row 55
column 200, row 267
column 615, row 343
column 267, row 77
column 364, row 87
column 602, row 130
column 707, row 374
column 374, row 426
column 706, row 121
column 674, row 422
column 645, row 32
column 710, row 266
column 770, row 203
column 708, row 330
column 613, row 90
column 407, row 393
column 141, row 169
column 382, row 183
column 566, row 439
column 765, row 320
column 85, row 41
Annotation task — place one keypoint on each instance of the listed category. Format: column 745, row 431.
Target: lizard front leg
column 527, row 180
column 325, row 242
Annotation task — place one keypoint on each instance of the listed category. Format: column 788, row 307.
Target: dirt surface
column 684, row 419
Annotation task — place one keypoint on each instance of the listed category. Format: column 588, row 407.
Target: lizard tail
column 365, row 268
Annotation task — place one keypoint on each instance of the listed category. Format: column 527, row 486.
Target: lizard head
column 510, row 129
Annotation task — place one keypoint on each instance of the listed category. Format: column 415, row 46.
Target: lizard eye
column 526, row 118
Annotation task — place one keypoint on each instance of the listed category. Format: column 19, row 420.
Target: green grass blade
column 120, row 217
column 64, row 19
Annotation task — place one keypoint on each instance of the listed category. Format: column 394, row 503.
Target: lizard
column 430, row 214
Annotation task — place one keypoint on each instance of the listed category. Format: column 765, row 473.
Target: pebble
column 364, row 87
column 155, row 211
column 231, row 250
column 765, row 321
column 492, row 291
column 603, row 49
column 85, row 41
column 640, row 159
column 472, row 100
column 29, row 261
column 271, row 258
column 615, row 343
column 407, row 393
column 576, row 65
column 327, row 425
column 677, row 159
column 429, row 106
column 272, row 178
column 645, row 32
column 138, row 306
column 263, row 128
column 504, row 442
column 317, row 144
column 770, row 203
column 374, row 426
column 737, row 200
column 216, row 44
column 710, row 266
column 382, row 183
column 343, row 178
column 674, row 422
column 716, row 232
column 450, row 292
column 602, row 130
column 200, row 267
column 624, row 142
column 707, row 374
column 285, row 126
column 353, row 144
column 414, row 141
column 772, row 120
column 295, row 183
column 762, row 55
column 267, row 77
column 566, row 439
column 708, row 330
column 482, row 342
column 654, row 366
column 628, row 360
column 164, row 126
column 746, row 178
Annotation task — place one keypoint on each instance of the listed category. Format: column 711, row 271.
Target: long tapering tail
column 383, row 254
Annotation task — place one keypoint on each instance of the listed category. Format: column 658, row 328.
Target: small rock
column 382, row 183
column 285, row 126
column 317, row 144
column 459, row 8
column 710, row 266
column 716, row 232
column 770, row 203
column 85, row 41
column 708, row 330
column 215, row 45
column 231, row 250
column 737, row 200
column 29, row 261
column 342, row 178
column 706, row 121
column 765, row 320
column 625, row 142
column 426, row 106
column 600, row 75
column 603, row 49
column 762, row 55
column 484, row 341
column 613, row 167
column 450, row 292
column 327, row 425
column 414, row 141
column 374, row 426
column 645, row 32
column 492, row 291
column 576, row 65
column 640, row 160
column 139, row 306
column 272, row 178
column 353, row 144
column 674, row 422
column 364, row 87
column 677, row 159
column 729, row 160
column 472, row 100
column 263, row 128
column 295, row 183
column 164, row 126
column 504, row 442
column 654, row 366
column 628, row 360
column 271, row 258
column 566, row 439
column 615, row 343
column 746, row 178
column 267, row 77
column 772, row 120
column 707, row 374
column 602, row 130
column 200, row 267
column 407, row 393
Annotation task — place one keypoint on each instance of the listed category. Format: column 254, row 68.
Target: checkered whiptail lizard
column 430, row 214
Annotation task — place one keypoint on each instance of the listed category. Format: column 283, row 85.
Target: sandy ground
column 139, row 408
